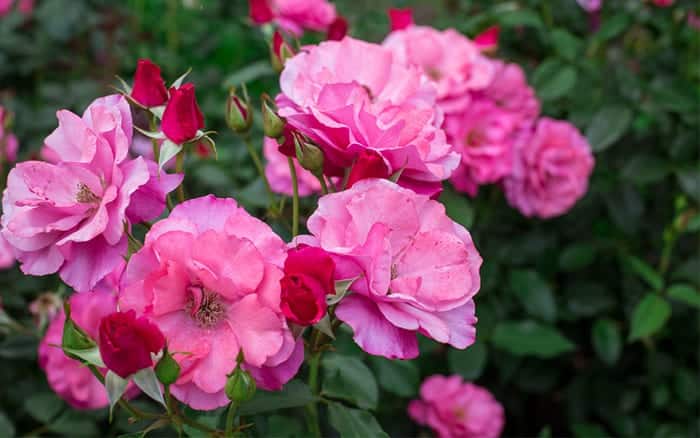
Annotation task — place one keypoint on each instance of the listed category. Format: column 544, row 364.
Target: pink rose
column 551, row 167
column 127, row 342
column 449, row 59
column 510, row 91
column 349, row 96
column 416, row 269
column 69, row 378
column 182, row 117
column 277, row 172
column 8, row 142
column 209, row 277
column 590, row 6
column 7, row 254
column 293, row 16
column 69, row 216
column 457, row 409
column 149, row 87
column 5, row 7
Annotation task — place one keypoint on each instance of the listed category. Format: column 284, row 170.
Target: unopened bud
column 280, row 52
column 240, row 386
column 273, row 125
column 167, row 369
column 239, row 117
column 309, row 155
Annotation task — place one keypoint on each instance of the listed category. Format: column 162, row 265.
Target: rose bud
column 308, row 278
column 487, row 41
column 280, row 52
column 239, row 117
column 309, row 155
column 273, row 125
column 400, row 18
column 338, row 29
column 182, row 117
column 149, row 88
column 369, row 164
column 126, row 342
column 240, row 386
column 260, row 12
column 167, row 369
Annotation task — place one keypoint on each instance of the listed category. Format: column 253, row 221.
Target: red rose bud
column 663, row 3
column 400, row 18
column 126, row 342
column 338, row 29
column 260, row 11
column 273, row 125
column 280, row 52
column 182, row 117
column 149, row 87
column 308, row 278
column 487, row 41
column 238, row 115
column 369, row 164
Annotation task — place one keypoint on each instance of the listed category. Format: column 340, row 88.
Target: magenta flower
column 294, row 16
column 69, row 216
column 551, row 167
column 349, row 96
column 8, row 141
column 7, row 254
column 416, row 269
column 209, row 277
column 457, row 409
column 449, row 59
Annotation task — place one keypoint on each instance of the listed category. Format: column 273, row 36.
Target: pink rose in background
column 277, row 172
column 400, row 18
column 510, row 91
column 26, row 6
column 416, row 269
column 8, row 141
column 69, row 378
column 590, row 6
column 453, row 62
column 69, row 216
column 350, row 96
column 6, row 7
column 7, row 254
column 294, row 16
column 551, row 167
column 209, row 277
column 693, row 20
column 457, row 409
column 487, row 41
column 663, row 3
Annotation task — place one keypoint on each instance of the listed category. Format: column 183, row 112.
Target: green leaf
column 529, row 338
column 147, row 381
column 7, row 429
column 577, row 256
column 400, row 377
column 649, row 316
column 459, row 207
column 685, row 293
column 644, row 271
column 612, row 26
column 43, row 407
column 645, row 169
column 74, row 424
column 608, row 125
column 554, row 79
column 522, row 17
column 325, row 327
column 89, row 355
column 534, row 294
column 116, row 387
column 294, row 394
column 341, row 289
column 168, row 150
column 606, row 339
column 470, row 362
column 566, row 45
column 588, row 430
column 354, row 423
column 689, row 180
column 348, row 378
column 249, row 73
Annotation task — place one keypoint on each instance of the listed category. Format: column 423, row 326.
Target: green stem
column 258, row 164
column 295, row 199
column 230, row 418
column 153, row 127
column 311, row 410
column 179, row 168
column 324, row 185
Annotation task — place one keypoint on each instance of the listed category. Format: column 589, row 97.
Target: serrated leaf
column 649, row 316
column 534, row 294
column 147, row 381
column 685, row 293
column 348, row 378
column 115, row 386
column 294, row 394
column 354, row 423
column 553, row 80
column 644, row 271
column 400, row 377
column 528, row 338
column 608, row 125
column 43, row 407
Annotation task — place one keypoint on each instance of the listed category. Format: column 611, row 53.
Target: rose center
column 204, row 306
column 86, row 195
column 433, row 73
column 474, row 138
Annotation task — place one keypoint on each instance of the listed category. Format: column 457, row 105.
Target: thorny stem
column 295, row 199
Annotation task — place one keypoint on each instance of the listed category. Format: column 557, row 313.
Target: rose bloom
column 209, row 277
column 127, row 343
column 510, row 91
column 590, row 5
column 452, row 61
column 8, row 141
column 294, row 16
column 69, row 378
column 349, row 96
column 277, row 172
column 308, row 279
column 457, row 409
column 69, row 216
column 551, row 167
column 416, row 269
column 7, row 254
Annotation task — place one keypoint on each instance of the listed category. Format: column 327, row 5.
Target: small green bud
column 273, row 125
column 309, row 155
column 280, row 52
column 167, row 369
column 240, row 386
column 239, row 117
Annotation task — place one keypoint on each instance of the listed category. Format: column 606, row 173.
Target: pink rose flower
column 457, row 409
column 590, row 6
column 5, row 7
column 551, row 167
column 510, row 91
column 294, row 16
column 277, row 172
column 209, row 277
column 69, row 378
column 69, row 216
column 8, row 141
column 349, row 96
column 7, row 254
column 453, row 62
column 416, row 269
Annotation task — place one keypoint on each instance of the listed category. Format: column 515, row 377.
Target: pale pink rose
column 68, row 216
column 551, row 167
column 7, row 254
column 457, row 409
column 483, row 134
column 8, row 141
column 208, row 277
column 351, row 96
column 590, row 6
column 69, row 378
column 451, row 60
column 510, row 91
column 277, row 172
column 294, row 16
column 416, row 269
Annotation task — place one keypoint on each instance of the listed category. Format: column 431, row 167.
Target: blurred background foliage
column 588, row 324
